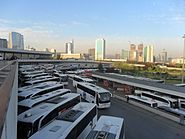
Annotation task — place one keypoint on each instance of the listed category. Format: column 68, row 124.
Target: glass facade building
column 16, row 41
column 100, row 49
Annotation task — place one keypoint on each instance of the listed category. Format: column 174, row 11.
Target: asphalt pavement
column 142, row 124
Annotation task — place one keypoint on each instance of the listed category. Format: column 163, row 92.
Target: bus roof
column 42, row 80
column 61, row 127
column 93, row 87
column 148, row 92
column 31, row 101
column 28, row 87
column 109, row 124
column 38, row 89
column 107, row 127
column 36, row 112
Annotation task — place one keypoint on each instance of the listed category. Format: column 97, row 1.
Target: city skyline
column 157, row 23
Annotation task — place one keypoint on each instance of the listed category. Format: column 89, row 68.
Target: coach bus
column 108, row 127
column 39, row 91
column 161, row 100
column 77, row 79
column 33, row 101
column 148, row 102
column 94, row 94
column 31, row 120
column 75, row 123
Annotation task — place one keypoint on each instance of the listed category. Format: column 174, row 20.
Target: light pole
column 183, row 60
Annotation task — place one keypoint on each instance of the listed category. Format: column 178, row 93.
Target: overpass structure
column 165, row 89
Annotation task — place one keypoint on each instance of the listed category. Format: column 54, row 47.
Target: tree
column 100, row 67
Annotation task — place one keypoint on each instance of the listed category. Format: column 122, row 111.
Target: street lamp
column 183, row 60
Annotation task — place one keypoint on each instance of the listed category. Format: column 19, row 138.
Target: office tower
column 125, row 54
column 3, row 43
column 148, row 53
column 163, row 56
column 100, row 49
column 91, row 53
column 16, row 41
column 70, row 47
column 133, row 53
column 140, row 53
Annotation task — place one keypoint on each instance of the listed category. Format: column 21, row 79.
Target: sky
column 52, row 23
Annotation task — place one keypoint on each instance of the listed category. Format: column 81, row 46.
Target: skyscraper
column 148, row 54
column 163, row 56
column 3, row 43
column 125, row 54
column 91, row 53
column 100, row 49
column 16, row 41
column 133, row 53
column 70, row 47
column 140, row 53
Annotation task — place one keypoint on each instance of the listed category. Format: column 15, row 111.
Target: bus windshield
column 104, row 97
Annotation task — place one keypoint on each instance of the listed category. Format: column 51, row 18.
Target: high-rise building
column 100, row 49
column 125, row 54
column 140, row 53
column 16, row 41
column 133, row 53
column 163, row 56
column 3, row 43
column 70, row 47
column 91, row 53
column 148, row 53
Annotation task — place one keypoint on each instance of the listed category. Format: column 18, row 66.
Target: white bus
column 94, row 94
column 31, row 120
column 75, row 123
column 145, row 101
column 32, row 72
column 77, row 79
column 108, row 127
column 41, row 80
column 30, row 76
column 39, row 90
column 33, row 101
column 161, row 100
column 30, row 87
column 63, row 78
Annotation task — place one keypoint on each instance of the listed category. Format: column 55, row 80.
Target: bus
column 77, row 79
column 33, row 101
column 108, row 127
column 161, row 100
column 75, row 123
column 38, row 78
column 94, row 94
column 147, row 102
column 31, row 120
column 32, row 72
column 39, row 90
column 63, row 78
column 41, row 80
column 180, row 85
column 29, row 87
column 31, row 76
